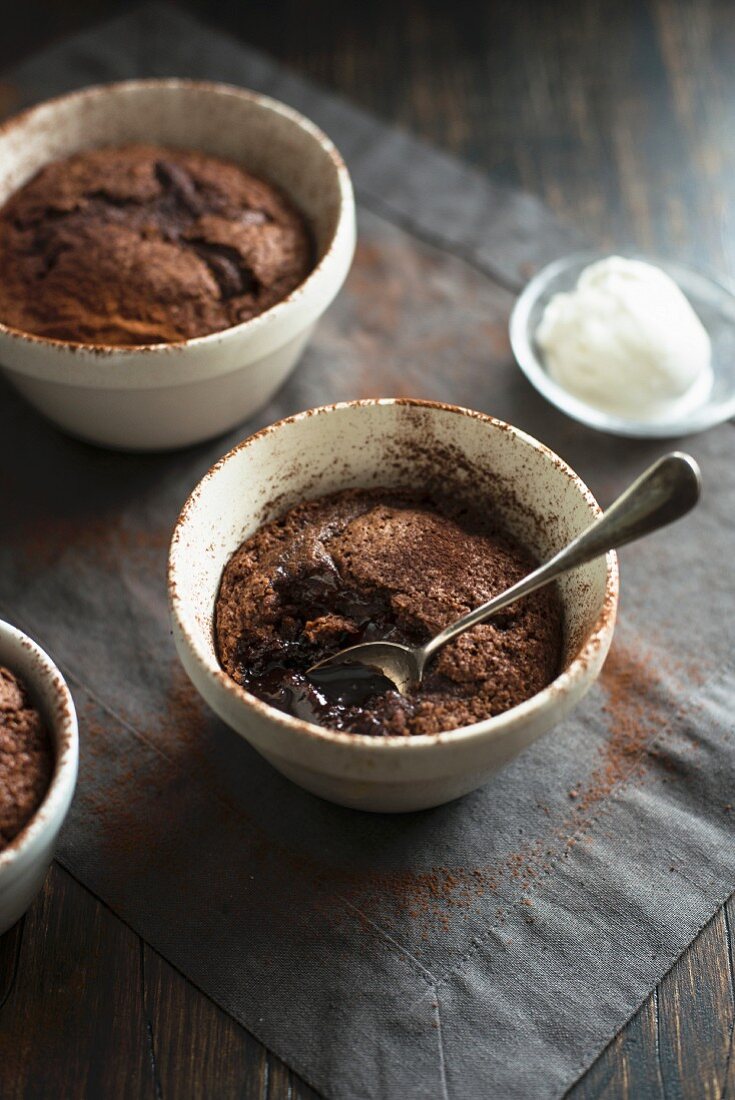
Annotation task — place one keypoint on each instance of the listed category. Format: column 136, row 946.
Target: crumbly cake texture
column 373, row 564
column 26, row 758
column 139, row 244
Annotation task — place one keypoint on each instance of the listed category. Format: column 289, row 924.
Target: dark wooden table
column 621, row 116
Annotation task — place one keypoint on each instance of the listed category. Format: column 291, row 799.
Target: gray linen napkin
column 490, row 947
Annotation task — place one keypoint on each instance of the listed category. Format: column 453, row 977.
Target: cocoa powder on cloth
column 489, row 947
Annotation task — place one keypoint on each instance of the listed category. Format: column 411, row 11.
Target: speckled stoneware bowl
column 162, row 396
column 23, row 865
column 397, row 443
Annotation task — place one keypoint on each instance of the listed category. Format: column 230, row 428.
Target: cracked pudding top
column 26, row 758
column 140, row 244
column 366, row 565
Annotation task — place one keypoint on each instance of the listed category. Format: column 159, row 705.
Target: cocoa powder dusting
column 140, row 244
column 104, row 539
column 433, row 899
column 638, row 722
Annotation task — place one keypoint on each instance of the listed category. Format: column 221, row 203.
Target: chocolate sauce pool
column 339, row 698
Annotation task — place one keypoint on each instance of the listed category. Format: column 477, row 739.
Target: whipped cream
column 627, row 341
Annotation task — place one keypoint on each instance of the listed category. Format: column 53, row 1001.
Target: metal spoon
column 666, row 491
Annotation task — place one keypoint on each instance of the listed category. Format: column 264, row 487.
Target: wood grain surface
column 621, row 116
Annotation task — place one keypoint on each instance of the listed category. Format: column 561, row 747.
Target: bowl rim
column 598, row 638
column 53, row 809
column 270, row 105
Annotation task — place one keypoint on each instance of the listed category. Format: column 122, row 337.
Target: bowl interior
column 267, row 138
column 392, row 444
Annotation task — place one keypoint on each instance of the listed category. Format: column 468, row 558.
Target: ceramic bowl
column 24, row 863
column 162, row 396
column 396, row 443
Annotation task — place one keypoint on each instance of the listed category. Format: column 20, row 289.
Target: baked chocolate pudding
column 140, row 244
column 26, row 758
column 364, row 565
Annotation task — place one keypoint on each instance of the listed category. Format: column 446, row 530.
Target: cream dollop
column 626, row 340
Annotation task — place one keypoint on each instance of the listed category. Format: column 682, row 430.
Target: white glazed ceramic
column 163, row 396
column 415, row 445
column 23, row 865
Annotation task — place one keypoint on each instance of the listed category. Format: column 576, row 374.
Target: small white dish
column 24, row 863
column 395, row 443
column 161, row 396
column 712, row 300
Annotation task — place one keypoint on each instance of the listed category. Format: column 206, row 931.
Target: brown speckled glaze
column 419, row 456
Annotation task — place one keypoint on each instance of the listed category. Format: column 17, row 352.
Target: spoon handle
column 663, row 493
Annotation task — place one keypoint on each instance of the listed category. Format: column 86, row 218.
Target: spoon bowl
column 359, row 671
